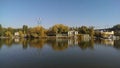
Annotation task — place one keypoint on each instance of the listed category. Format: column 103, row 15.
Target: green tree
column 116, row 27
column 97, row 33
column 1, row 31
column 83, row 30
column 25, row 29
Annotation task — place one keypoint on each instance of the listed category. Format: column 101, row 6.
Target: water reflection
column 117, row 44
column 109, row 42
column 59, row 53
column 37, row 43
column 86, row 44
column 59, row 44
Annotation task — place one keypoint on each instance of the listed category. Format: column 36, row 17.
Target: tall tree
column 25, row 29
column 1, row 31
column 91, row 31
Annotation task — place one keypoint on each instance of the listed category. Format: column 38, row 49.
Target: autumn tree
column 11, row 30
column 59, row 28
column 8, row 34
column 21, row 33
column 91, row 31
column 38, row 31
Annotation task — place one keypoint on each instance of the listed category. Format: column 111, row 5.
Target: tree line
column 39, row 31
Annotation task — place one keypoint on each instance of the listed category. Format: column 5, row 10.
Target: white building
column 72, row 33
column 16, row 34
column 107, row 34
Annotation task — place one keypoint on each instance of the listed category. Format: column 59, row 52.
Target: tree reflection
column 25, row 43
column 117, row 44
column 108, row 42
column 8, row 42
column 1, row 43
column 86, row 44
column 58, row 44
column 37, row 43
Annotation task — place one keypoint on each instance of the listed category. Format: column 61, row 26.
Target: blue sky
column 98, row 13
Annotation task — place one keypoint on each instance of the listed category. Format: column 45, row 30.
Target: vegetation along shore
column 59, row 31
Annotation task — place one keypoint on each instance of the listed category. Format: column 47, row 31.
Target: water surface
column 59, row 53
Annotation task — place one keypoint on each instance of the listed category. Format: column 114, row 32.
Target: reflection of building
column 72, row 42
column 85, row 37
column 107, row 41
column 16, row 40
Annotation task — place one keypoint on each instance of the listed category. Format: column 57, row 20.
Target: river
column 59, row 53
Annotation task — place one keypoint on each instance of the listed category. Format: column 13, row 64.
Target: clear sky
column 98, row 13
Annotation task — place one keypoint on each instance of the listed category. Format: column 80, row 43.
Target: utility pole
column 39, row 21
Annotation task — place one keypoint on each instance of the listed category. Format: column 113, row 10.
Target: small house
column 16, row 34
column 72, row 33
column 107, row 34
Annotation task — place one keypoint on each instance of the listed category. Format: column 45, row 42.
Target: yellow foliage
column 58, row 28
column 8, row 34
